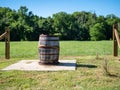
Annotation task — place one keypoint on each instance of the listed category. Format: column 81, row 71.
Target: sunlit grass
column 67, row 48
column 89, row 74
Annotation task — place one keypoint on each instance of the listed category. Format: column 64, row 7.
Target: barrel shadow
column 78, row 65
column 86, row 66
column 67, row 64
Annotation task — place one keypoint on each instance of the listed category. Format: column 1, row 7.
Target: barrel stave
column 48, row 48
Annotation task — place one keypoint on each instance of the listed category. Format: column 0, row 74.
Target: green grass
column 78, row 48
column 67, row 48
column 89, row 74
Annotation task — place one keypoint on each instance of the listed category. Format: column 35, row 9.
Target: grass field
column 89, row 75
column 67, row 48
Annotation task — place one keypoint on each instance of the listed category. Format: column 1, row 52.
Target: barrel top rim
column 44, row 35
column 54, row 47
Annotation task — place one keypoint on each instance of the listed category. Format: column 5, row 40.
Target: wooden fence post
column 115, row 44
column 7, row 44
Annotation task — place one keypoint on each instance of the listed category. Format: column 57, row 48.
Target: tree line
column 24, row 25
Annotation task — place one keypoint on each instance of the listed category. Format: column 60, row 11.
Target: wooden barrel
column 48, row 48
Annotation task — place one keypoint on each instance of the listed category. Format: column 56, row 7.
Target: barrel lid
column 42, row 46
column 45, row 35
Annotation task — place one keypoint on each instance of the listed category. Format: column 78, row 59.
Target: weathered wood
column 48, row 49
column 3, row 35
column 117, row 37
column 6, row 35
column 115, row 41
column 7, row 44
column 115, row 48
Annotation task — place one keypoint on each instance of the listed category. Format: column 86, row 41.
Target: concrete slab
column 33, row 65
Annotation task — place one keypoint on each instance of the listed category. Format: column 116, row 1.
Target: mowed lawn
column 67, row 48
column 89, row 74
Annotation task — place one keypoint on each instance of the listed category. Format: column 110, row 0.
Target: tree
column 4, row 18
column 45, row 25
column 110, row 20
column 61, row 21
column 24, row 25
column 97, row 32
column 84, row 20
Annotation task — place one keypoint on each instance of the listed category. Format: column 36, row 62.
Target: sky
column 47, row 8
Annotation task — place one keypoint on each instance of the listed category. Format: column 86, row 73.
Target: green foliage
column 97, row 32
column 25, row 25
